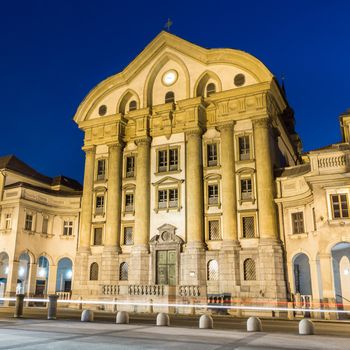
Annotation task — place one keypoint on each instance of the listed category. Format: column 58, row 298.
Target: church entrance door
column 166, row 267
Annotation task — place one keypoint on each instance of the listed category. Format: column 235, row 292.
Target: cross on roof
column 168, row 24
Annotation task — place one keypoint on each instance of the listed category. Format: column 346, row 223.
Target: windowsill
column 97, row 245
column 213, row 167
column 5, row 230
column 28, row 232
column 67, row 236
column 131, row 212
column 167, row 209
column 129, row 178
column 168, row 172
column 46, row 235
column 244, row 160
column 216, row 205
column 250, row 200
column 298, row 235
column 99, row 181
column 102, row 214
column 339, row 222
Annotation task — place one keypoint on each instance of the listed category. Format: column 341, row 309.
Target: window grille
column 211, row 89
column 67, row 228
column 130, row 166
column 129, row 202
column 212, row 270
column 45, row 225
column 101, row 169
column 100, row 201
column 248, row 227
column 212, row 154
column 124, row 272
column 98, row 236
column 132, row 105
column 169, row 97
column 8, row 221
column 340, row 206
column 298, row 222
column 94, row 272
column 173, row 157
column 214, row 230
column 246, row 189
column 28, row 222
column 249, row 270
column 213, row 194
column 128, row 236
column 244, row 148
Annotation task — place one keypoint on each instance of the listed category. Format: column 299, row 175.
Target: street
column 67, row 332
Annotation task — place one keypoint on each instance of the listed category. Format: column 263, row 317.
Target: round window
column 102, row 110
column 239, row 79
column 169, row 77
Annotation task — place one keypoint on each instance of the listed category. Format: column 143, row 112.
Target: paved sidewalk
column 42, row 334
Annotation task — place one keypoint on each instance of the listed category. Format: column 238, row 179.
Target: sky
column 52, row 53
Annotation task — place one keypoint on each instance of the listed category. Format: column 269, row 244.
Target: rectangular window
column 45, row 225
column 8, row 221
column 68, row 228
column 212, row 154
column 101, row 169
column 173, row 198
column 214, row 230
column 244, row 148
column 168, row 198
column 129, row 202
column 340, row 206
column 29, row 222
column 100, row 202
column 168, row 160
column 130, row 166
column 128, row 236
column 98, row 236
column 213, row 194
column 248, row 227
column 298, row 222
column 246, row 189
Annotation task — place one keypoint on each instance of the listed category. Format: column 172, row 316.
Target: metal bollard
column 163, row 319
column 19, row 306
column 254, row 324
column 52, row 309
column 306, row 327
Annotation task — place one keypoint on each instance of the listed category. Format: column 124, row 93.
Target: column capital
column 262, row 123
column 115, row 144
column 194, row 132
column 89, row 149
column 226, row 126
column 143, row 140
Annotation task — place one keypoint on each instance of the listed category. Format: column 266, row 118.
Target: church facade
column 179, row 186
column 195, row 192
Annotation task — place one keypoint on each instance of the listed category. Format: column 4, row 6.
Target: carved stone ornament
column 166, row 235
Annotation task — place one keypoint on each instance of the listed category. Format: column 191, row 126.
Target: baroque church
column 195, row 192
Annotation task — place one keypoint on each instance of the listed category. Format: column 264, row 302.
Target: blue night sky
column 54, row 52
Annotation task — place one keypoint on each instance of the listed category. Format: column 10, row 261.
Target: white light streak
column 197, row 306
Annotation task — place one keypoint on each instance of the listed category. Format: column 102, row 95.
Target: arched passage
column 302, row 276
column 23, row 273
column 341, row 272
column 4, row 268
column 64, row 275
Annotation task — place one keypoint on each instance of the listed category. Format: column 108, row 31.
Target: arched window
column 212, row 270
column 132, row 105
column 249, row 270
column 211, row 89
column 124, row 271
column 94, row 272
column 169, row 97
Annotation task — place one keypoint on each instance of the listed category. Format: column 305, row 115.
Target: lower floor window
column 98, row 236
column 67, row 228
column 128, row 237
column 248, row 227
column 214, row 230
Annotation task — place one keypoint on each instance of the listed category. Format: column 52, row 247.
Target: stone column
column 139, row 263
column 229, row 253
column 142, row 195
column 228, row 185
column 52, row 279
column 194, row 269
column 265, row 180
column 87, row 200
column 2, row 184
column 273, row 283
column 194, row 189
column 113, row 212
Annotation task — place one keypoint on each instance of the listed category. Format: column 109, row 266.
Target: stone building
column 313, row 203
column 39, row 219
column 178, row 200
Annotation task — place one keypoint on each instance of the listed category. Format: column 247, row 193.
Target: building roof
column 341, row 146
column 11, row 162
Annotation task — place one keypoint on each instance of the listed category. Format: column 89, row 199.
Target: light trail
column 196, row 306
